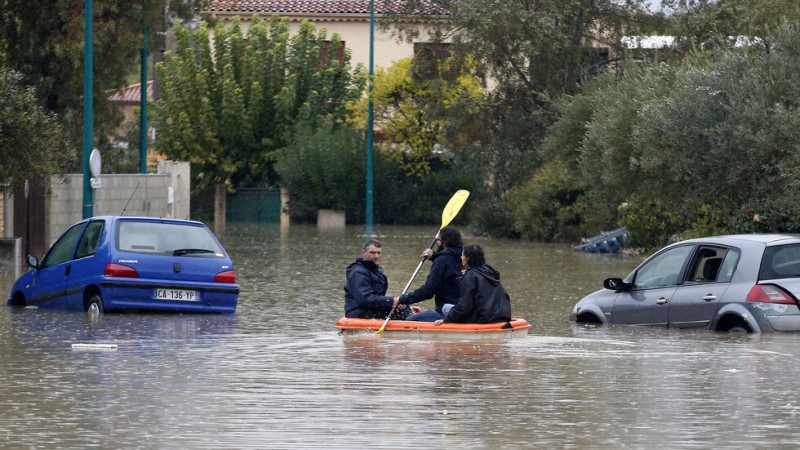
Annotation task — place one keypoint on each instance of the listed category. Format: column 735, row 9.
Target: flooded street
column 278, row 375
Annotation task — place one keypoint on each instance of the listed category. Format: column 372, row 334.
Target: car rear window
column 780, row 261
column 167, row 239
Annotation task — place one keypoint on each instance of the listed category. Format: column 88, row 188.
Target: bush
column 544, row 208
column 319, row 170
column 325, row 169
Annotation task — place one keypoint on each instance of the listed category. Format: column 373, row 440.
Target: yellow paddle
column 448, row 214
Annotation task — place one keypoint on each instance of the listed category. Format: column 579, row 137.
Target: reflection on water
column 277, row 374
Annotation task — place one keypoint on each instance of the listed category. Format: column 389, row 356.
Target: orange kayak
column 515, row 328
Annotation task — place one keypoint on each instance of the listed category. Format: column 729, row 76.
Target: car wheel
column 588, row 319
column 94, row 307
column 18, row 301
column 739, row 329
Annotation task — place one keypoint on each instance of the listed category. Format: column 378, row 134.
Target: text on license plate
column 177, row 294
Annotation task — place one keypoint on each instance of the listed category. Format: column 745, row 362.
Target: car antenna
column 129, row 199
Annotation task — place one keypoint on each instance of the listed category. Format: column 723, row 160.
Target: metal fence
column 254, row 205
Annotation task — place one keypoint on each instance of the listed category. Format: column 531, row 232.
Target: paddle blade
column 454, row 206
column 383, row 327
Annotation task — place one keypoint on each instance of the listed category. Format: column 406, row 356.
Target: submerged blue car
column 121, row 263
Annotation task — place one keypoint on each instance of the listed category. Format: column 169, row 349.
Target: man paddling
column 365, row 289
column 443, row 278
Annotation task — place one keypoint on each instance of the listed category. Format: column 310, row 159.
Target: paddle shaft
column 419, row 266
column 405, row 289
column 448, row 214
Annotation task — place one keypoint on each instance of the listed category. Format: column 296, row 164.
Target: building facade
column 350, row 19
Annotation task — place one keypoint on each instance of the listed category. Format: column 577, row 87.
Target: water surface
column 277, row 375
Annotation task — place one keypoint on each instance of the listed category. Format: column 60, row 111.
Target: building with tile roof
column 350, row 19
column 127, row 99
column 333, row 7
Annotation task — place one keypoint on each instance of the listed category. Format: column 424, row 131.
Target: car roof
column 766, row 239
column 145, row 218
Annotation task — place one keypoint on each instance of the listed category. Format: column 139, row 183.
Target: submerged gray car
column 744, row 283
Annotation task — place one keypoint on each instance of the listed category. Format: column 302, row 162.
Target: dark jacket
column 442, row 281
column 364, row 291
column 483, row 298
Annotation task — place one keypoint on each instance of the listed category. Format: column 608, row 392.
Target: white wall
column 355, row 33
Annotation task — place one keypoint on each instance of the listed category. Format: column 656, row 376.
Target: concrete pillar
column 220, row 207
column 285, row 218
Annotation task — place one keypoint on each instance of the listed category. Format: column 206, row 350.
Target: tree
column 718, row 23
column 317, row 169
column 532, row 52
column 44, row 41
column 412, row 106
column 229, row 106
column 30, row 136
column 706, row 146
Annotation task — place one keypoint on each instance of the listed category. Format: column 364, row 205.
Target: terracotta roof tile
column 132, row 93
column 309, row 6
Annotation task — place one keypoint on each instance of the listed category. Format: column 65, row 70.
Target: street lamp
column 88, row 108
column 143, row 106
column 369, row 212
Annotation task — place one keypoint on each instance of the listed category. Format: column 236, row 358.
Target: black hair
column 474, row 255
column 450, row 237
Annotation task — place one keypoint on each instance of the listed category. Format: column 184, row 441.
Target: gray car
column 743, row 283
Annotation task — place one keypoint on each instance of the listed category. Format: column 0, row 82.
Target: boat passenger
column 483, row 297
column 366, row 285
column 443, row 278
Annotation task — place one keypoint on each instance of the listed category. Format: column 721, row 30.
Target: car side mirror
column 615, row 284
column 33, row 261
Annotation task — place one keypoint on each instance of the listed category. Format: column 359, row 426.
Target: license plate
column 177, row 294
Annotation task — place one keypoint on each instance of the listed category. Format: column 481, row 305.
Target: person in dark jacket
column 442, row 281
column 366, row 285
column 483, row 297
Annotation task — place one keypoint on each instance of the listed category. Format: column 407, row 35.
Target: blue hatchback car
column 121, row 263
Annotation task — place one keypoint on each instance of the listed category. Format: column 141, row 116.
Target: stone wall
column 165, row 194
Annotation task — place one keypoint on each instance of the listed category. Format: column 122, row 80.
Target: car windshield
column 780, row 261
column 168, row 239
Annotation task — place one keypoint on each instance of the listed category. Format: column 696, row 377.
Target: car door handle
column 662, row 301
column 709, row 297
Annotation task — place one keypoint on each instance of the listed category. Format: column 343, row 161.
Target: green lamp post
column 369, row 200
column 88, row 108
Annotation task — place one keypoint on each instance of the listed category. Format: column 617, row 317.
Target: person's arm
column 365, row 295
column 461, row 312
column 430, row 254
column 427, row 290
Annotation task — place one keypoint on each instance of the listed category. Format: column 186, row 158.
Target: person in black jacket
column 442, row 281
column 366, row 285
column 483, row 297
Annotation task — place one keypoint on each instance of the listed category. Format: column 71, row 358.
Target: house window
column 324, row 52
column 432, row 51
column 429, row 56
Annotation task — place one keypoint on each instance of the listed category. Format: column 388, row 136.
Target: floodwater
column 278, row 375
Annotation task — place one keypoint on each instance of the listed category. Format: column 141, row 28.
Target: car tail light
column 229, row 276
column 769, row 294
column 120, row 270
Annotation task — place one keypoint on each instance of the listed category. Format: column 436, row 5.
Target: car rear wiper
column 186, row 251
